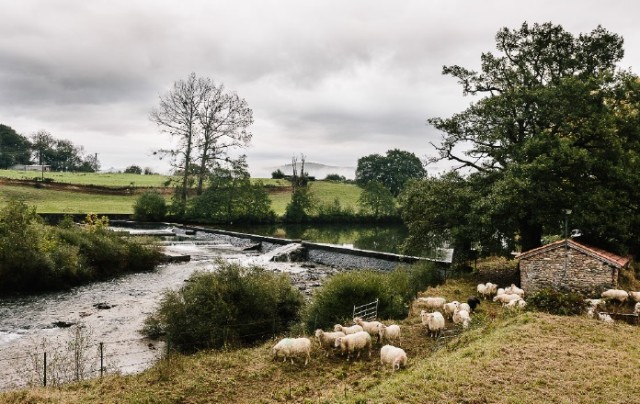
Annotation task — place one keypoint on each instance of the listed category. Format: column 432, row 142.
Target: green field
column 504, row 357
column 58, row 201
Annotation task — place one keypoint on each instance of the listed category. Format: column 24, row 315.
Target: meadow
column 84, row 200
column 504, row 357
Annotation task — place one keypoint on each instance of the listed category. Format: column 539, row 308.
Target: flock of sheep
column 353, row 340
column 348, row 340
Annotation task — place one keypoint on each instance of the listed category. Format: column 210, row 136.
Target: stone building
column 569, row 265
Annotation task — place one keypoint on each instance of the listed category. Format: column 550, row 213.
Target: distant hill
column 318, row 170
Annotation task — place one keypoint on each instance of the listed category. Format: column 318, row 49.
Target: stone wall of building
column 571, row 269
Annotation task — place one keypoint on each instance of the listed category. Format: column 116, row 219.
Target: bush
column 277, row 175
column 333, row 303
column 150, row 206
column 557, row 302
column 335, row 178
column 232, row 306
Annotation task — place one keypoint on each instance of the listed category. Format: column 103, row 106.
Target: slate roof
column 602, row 255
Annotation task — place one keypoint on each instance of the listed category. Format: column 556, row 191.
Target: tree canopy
column 555, row 127
column 14, row 148
column 392, row 170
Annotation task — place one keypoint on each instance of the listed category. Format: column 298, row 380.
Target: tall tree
column 14, row 148
column 177, row 115
column 392, row 170
column 224, row 118
column 206, row 122
column 554, row 129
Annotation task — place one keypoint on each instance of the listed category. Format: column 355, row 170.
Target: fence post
column 44, row 380
column 101, row 359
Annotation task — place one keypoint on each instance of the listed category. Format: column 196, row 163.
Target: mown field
column 504, row 357
column 86, row 200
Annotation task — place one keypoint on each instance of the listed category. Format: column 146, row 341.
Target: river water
column 72, row 324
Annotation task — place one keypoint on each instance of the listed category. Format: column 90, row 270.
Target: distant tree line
column 42, row 148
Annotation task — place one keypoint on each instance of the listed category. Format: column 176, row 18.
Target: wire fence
column 52, row 362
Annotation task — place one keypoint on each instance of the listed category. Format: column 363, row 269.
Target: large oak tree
column 555, row 126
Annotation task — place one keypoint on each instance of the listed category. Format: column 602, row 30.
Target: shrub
column 335, row 177
column 277, row 175
column 558, row 302
column 232, row 306
column 333, row 303
column 150, row 206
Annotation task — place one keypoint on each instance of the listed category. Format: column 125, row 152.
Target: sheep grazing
column 369, row 326
column 354, row 343
column 449, row 308
column 434, row 322
column 394, row 356
column 514, row 290
column 500, row 291
column 635, row 296
column 389, row 333
column 491, row 288
column 505, row 298
column 465, row 306
column 433, row 303
column 636, row 310
column 347, row 330
column 615, row 294
column 516, row 304
column 292, row 347
column 327, row 339
column 461, row 317
column 605, row 317
column 592, row 305
column 482, row 290
column 473, row 302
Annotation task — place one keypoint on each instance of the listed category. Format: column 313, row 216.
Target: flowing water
column 112, row 313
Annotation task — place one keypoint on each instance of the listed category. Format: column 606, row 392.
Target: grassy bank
column 503, row 357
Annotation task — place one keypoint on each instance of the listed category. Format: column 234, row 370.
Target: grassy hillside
column 83, row 201
column 503, row 357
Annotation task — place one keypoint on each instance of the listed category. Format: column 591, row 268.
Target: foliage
column 232, row 197
column 37, row 257
column 392, row 170
column 557, row 128
column 376, row 200
column 277, row 175
column 334, row 301
column 14, row 148
column 554, row 301
column 299, row 208
column 333, row 212
column 62, row 154
column 133, row 169
column 150, row 206
column 234, row 305
column 335, row 177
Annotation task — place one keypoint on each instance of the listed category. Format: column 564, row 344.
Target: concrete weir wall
column 325, row 254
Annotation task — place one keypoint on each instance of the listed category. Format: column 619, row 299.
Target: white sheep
column 369, row 326
column 354, row 343
column 516, row 304
column 505, row 298
column 292, row 347
column 450, row 308
column 500, row 291
column 461, row 317
column 465, row 306
column 327, row 339
column 615, row 294
column 433, row 303
column 635, row 296
column 389, row 333
column 592, row 305
column 434, row 322
column 605, row 317
column 514, row 290
column 482, row 290
column 636, row 310
column 394, row 356
column 491, row 288
column 347, row 330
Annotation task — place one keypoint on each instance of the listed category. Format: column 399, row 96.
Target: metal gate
column 367, row 311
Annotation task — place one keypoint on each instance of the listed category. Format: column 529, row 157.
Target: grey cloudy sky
column 335, row 80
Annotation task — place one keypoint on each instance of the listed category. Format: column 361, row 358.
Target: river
column 72, row 324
